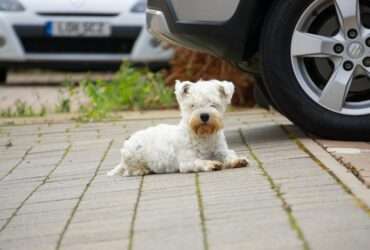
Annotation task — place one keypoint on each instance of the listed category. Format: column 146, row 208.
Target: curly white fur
column 196, row 144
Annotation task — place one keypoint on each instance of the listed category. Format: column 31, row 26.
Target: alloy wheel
column 330, row 54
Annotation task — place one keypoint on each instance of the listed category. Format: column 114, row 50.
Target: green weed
column 130, row 89
column 64, row 106
column 22, row 109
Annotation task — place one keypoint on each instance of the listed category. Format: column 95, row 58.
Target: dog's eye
column 192, row 106
column 214, row 105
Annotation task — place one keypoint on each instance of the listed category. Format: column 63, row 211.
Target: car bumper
column 158, row 27
column 23, row 39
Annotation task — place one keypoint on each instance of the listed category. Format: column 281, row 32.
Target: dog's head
column 203, row 104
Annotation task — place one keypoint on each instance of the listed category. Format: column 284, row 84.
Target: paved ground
column 295, row 195
column 43, row 90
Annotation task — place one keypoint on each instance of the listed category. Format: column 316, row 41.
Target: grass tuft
column 130, row 89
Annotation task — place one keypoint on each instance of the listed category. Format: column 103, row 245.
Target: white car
column 75, row 33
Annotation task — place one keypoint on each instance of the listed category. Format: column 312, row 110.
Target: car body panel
column 199, row 10
column 230, row 39
column 78, row 6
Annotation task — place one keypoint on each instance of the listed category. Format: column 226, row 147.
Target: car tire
column 3, row 76
column 286, row 90
column 261, row 96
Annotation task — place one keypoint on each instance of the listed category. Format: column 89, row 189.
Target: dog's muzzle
column 206, row 123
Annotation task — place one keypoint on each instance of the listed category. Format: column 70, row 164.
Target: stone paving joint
column 134, row 215
column 292, row 220
column 18, row 163
column 201, row 212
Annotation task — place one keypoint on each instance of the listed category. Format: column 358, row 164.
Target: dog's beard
column 205, row 129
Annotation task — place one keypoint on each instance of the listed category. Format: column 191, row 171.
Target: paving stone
column 35, row 243
column 166, row 209
column 91, row 245
column 180, row 237
column 110, row 213
column 102, row 234
column 64, row 194
column 34, row 219
column 31, row 231
column 359, row 162
column 351, row 239
column 48, row 206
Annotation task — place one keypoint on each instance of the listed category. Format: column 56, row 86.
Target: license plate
column 75, row 29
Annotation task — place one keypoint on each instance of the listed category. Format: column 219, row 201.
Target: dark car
column 314, row 54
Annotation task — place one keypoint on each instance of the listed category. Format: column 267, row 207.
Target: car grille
column 77, row 45
column 77, row 14
column 34, row 40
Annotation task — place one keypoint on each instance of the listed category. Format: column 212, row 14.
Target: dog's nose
column 204, row 117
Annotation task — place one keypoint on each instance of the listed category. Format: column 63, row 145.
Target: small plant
column 130, row 89
column 64, row 101
column 22, row 109
column 6, row 112
column 64, row 106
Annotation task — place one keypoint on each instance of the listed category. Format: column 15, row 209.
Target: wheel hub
column 356, row 50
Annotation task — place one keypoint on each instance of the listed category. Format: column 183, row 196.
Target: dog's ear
column 226, row 90
column 182, row 89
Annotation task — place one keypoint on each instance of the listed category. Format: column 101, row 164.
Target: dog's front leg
column 188, row 163
column 231, row 160
column 199, row 166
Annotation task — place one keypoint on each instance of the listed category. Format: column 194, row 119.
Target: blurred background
column 95, row 57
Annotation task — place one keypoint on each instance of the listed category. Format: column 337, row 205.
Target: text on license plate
column 73, row 29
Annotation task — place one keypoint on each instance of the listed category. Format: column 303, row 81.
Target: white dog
column 196, row 144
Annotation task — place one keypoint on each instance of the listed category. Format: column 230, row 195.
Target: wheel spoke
column 366, row 32
column 310, row 45
column 336, row 90
column 368, row 73
column 349, row 16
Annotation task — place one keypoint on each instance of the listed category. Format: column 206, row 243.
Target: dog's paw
column 239, row 163
column 118, row 170
column 213, row 166
column 111, row 173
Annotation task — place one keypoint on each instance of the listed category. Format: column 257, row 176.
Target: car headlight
column 11, row 5
column 139, row 7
